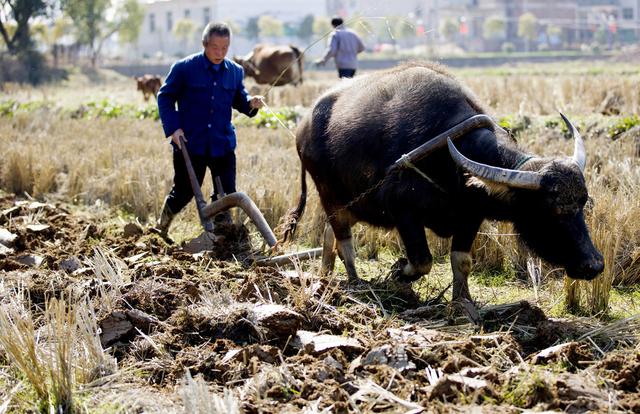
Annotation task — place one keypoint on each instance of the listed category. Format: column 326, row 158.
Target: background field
column 92, row 143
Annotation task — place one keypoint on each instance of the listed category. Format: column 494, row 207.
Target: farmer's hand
column 175, row 137
column 256, row 102
column 318, row 62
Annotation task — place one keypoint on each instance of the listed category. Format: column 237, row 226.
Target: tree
column 270, row 26
column 17, row 13
column 305, row 29
column 133, row 16
column 390, row 29
column 449, row 30
column 600, row 36
column 363, row 27
column 233, row 26
column 395, row 27
column 555, row 35
column 93, row 29
column 251, row 29
column 322, row 26
column 39, row 32
column 10, row 28
column 493, row 28
column 61, row 27
column 184, row 30
column 403, row 28
column 527, row 29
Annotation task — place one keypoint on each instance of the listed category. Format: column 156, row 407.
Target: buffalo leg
column 461, row 267
column 328, row 250
column 348, row 255
column 419, row 259
column 461, row 258
column 461, row 298
column 341, row 224
column 461, row 263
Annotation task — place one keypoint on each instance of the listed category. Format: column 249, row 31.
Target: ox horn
column 579, row 153
column 512, row 178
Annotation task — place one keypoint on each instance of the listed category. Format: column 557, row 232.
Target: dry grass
column 109, row 271
column 534, row 89
column 57, row 352
column 198, row 399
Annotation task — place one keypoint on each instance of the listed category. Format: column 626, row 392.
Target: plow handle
column 195, row 186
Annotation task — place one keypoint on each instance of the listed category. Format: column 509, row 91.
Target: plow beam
column 243, row 201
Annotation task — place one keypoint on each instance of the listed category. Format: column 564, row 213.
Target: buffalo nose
column 593, row 267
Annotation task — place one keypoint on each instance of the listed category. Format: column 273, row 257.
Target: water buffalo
column 349, row 143
column 149, row 85
column 277, row 65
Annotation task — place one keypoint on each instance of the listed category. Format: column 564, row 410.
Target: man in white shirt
column 344, row 46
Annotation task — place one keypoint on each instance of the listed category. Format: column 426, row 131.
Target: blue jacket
column 204, row 100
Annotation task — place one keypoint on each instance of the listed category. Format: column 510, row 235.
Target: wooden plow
column 239, row 199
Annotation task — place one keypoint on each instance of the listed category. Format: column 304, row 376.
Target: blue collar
column 522, row 161
column 209, row 65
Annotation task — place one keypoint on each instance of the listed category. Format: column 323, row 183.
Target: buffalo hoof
column 467, row 309
column 397, row 272
column 354, row 281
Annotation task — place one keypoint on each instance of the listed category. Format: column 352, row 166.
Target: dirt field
column 286, row 340
column 102, row 315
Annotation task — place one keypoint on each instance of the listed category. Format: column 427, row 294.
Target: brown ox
column 149, row 84
column 274, row 65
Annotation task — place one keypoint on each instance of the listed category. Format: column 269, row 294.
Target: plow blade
column 290, row 258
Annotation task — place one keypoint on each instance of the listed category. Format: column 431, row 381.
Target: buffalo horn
column 512, row 178
column 579, row 153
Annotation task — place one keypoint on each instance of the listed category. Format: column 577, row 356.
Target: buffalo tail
column 290, row 220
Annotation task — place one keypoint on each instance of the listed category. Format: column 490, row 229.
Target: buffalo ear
column 494, row 189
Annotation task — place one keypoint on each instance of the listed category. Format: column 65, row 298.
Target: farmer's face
column 217, row 47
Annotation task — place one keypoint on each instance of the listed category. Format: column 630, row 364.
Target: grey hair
column 215, row 29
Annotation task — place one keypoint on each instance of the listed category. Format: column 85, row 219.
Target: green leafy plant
column 515, row 123
column 110, row 110
column 272, row 119
column 11, row 107
column 623, row 125
column 8, row 108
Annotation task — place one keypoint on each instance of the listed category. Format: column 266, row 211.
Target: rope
column 405, row 162
column 357, row 19
column 276, row 117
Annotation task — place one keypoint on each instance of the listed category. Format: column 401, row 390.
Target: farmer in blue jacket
column 205, row 86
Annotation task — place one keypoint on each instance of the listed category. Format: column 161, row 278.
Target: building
column 559, row 23
column 158, row 38
column 375, row 8
column 616, row 20
column 287, row 11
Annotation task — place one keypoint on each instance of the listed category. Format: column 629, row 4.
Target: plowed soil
column 286, row 340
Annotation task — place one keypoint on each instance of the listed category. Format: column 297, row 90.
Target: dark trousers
column 346, row 73
column 181, row 193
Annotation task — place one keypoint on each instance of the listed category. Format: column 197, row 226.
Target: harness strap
column 522, row 161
